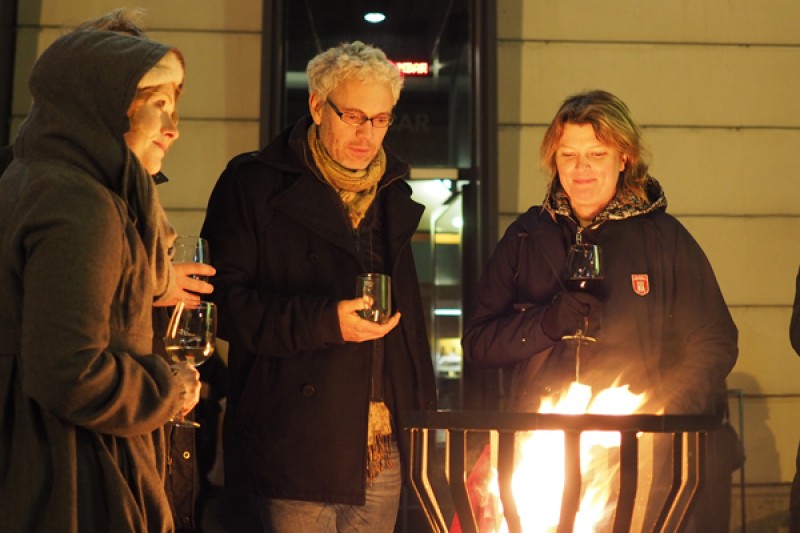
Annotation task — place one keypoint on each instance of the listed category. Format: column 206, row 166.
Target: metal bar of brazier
column 458, row 424
column 418, row 474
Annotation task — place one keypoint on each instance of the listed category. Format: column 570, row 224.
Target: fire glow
column 538, row 479
column 631, row 483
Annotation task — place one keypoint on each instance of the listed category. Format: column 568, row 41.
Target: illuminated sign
column 413, row 68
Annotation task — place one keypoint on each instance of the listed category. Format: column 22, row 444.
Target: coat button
column 187, row 455
column 309, row 390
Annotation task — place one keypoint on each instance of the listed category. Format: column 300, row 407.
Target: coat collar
column 312, row 202
column 623, row 205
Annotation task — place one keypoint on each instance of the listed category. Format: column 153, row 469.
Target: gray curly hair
column 351, row 60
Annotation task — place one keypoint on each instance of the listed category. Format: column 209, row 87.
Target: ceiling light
column 374, row 17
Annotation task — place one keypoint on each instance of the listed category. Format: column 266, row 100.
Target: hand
column 356, row 329
column 567, row 312
column 189, row 378
column 189, row 289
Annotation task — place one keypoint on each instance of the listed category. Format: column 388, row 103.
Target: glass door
column 438, row 253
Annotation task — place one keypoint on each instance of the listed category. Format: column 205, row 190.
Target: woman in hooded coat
column 83, row 257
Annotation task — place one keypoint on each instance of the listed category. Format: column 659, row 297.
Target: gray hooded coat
column 82, row 258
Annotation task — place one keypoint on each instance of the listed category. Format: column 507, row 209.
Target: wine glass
column 191, row 249
column 584, row 274
column 190, row 338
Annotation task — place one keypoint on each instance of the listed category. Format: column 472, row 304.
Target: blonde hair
column 351, row 60
column 613, row 125
column 144, row 93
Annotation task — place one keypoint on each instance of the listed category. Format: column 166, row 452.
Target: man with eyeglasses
column 313, row 436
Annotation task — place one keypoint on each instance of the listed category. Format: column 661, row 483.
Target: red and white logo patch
column 641, row 284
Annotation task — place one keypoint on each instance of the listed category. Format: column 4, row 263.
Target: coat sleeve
column 704, row 336
column 74, row 265
column 794, row 326
column 252, row 315
column 502, row 331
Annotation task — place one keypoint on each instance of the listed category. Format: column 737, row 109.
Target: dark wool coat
column 82, row 397
column 794, row 336
column 285, row 254
column 673, row 339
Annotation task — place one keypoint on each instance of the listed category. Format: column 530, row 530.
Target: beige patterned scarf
column 356, row 188
column 379, row 440
column 157, row 234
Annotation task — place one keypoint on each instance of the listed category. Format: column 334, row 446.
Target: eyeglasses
column 357, row 118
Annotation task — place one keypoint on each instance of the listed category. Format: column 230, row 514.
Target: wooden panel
column 727, row 171
column 199, row 157
column 703, row 170
column 754, row 261
column 511, row 94
column 662, row 84
column 712, row 21
column 187, row 222
column 241, row 15
column 764, row 347
column 521, row 182
column 30, row 43
column 770, row 439
column 222, row 71
column 222, row 74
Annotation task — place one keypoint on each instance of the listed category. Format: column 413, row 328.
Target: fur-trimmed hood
column 624, row 204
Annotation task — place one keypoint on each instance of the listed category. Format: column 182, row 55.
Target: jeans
column 378, row 515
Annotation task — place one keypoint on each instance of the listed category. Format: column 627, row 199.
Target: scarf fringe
column 379, row 456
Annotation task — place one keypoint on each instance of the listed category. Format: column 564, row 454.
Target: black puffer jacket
column 665, row 330
column 285, row 255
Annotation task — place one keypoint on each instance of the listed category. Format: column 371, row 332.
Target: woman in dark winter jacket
column 661, row 324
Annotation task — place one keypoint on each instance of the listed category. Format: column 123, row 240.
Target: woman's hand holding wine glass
column 585, row 277
column 189, row 378
column 191, row 280
column 568, row 315
column 192, row 271
column 190, row 340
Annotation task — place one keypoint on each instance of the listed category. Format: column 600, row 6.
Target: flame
column 538, row 480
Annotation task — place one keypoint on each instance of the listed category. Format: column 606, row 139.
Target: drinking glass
column 585, row 274
column 191, row 338
column 376, row 291
column 191, row 249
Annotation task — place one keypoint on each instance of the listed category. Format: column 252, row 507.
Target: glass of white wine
column 191, row 337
